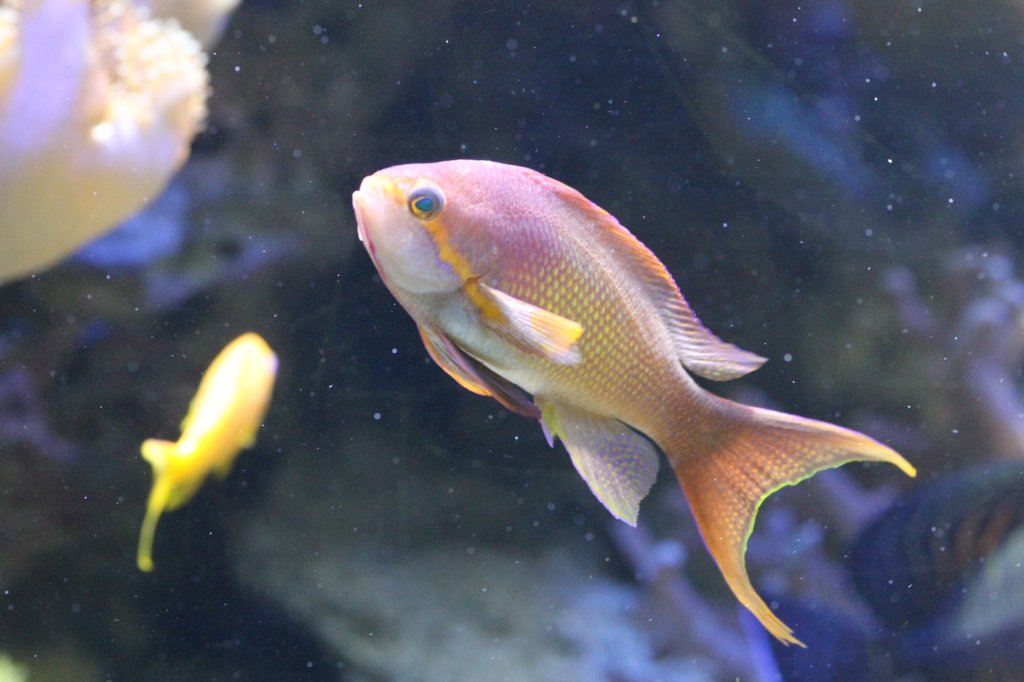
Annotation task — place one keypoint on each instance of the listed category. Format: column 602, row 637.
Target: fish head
column 433, row 227
column 403, row 220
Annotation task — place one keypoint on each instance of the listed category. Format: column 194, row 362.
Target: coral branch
column 697, row 625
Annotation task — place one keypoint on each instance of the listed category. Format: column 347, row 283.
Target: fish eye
column 425, row 203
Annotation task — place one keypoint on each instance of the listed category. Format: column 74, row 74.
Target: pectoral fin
column 158, row 453
column 475, row 376
column 531, row 329
column 618, row 464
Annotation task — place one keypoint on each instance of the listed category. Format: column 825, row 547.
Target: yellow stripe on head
column 451, row 256
column 440, row 235
column 457, row 262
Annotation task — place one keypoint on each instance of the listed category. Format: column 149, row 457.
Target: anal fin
column 618, row 464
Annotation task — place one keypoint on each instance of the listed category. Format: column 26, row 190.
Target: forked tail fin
column 747, row 456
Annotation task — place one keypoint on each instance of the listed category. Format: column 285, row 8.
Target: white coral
column 98, row 106
column 204, row 19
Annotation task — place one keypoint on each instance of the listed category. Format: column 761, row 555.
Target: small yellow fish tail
column 749, row 454
column 156, row 505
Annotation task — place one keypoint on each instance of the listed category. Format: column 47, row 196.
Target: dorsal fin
column 699, row 350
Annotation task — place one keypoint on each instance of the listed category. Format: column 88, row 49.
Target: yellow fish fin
column 618, row 464
column 222, row 468
column 156, row 505
column 475, row 376
column 698, row 349
column 752, row 453
column 531, row 329
column 444, row 359
column 169, row 466
column 158, row 453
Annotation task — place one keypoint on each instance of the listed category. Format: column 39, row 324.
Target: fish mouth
column 359, row 206
column 361, row 199
column 373, row 188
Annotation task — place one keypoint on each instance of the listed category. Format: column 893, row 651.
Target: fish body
column 526, row 291
column 222, row 420
column 952, row 552
column 939, row 538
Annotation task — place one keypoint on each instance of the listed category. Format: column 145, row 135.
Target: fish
column 524, row 290
column 952, row 551
column 222, row 420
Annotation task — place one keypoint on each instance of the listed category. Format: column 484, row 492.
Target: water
column 834, row 185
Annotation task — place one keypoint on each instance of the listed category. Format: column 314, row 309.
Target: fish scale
column 628, row 376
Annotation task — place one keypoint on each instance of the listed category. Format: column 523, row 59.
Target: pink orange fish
column 525, row 291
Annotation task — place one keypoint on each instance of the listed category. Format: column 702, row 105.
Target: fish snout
column 359, row 206
column 404, row 252
column 375, row 199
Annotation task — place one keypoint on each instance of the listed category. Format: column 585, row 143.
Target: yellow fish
column 525, row 291
column 222, row 420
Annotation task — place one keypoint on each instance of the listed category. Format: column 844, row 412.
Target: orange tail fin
column 749, row 455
